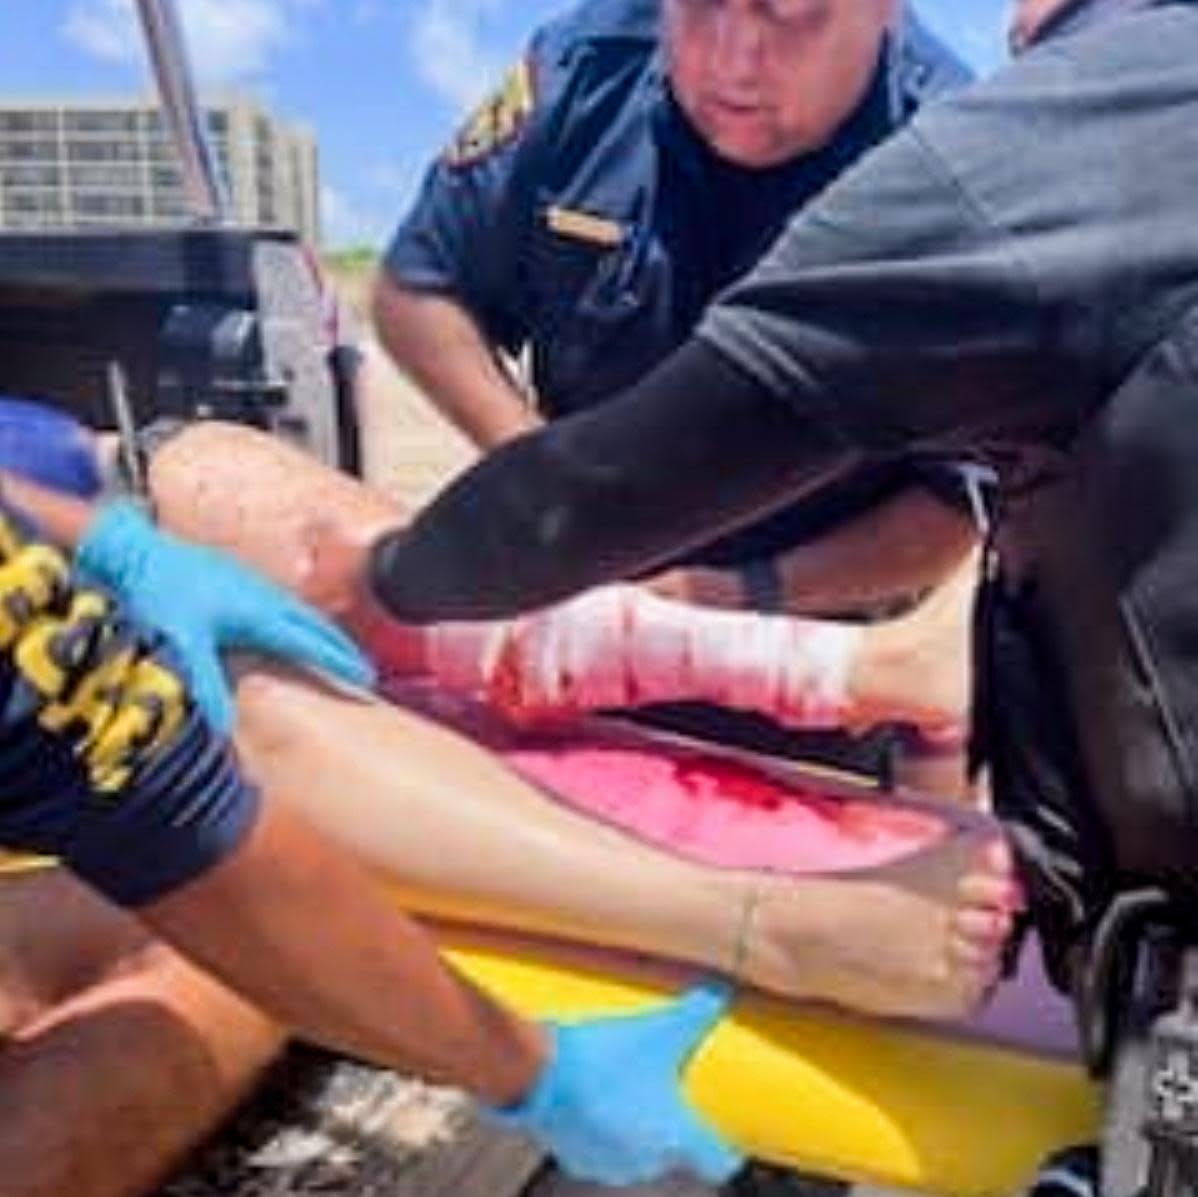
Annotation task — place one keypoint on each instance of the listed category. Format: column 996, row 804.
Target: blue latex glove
column 609, row 1104
column 204, row 601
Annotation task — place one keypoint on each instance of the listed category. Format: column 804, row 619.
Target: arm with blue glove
column 227, row 876
column 338, row 962
column 205, row 601
column 603, row 1095
column 202, row 600
column 608, row 1105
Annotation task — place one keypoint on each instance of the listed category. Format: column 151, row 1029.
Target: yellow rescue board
column 822, row 1091
column 811, row 1088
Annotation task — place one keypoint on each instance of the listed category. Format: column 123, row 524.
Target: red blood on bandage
column 620, row 646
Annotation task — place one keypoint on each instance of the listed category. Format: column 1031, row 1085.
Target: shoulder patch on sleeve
column 497, row 121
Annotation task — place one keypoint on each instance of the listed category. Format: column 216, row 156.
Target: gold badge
column 582, row 226
column 497, row 120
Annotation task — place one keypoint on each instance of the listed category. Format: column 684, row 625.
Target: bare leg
column 438, row 813
column 253, row 495
column 242, row 491
column 919, row 662
column 464, row 837
column 929, row 646
column 118, row 1056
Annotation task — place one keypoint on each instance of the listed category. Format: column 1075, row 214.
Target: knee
column 211, row 477
column 176, row 459
column 197, row 447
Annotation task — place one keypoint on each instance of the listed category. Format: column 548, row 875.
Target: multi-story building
column 72, row 164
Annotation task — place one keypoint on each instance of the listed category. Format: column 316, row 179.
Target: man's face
column 1027, row 17
column 764, row 81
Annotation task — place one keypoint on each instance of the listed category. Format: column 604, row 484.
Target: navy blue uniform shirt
column 104, row 760
column 579, row 215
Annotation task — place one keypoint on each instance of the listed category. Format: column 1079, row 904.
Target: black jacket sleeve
column 926, row 303
column 695, row 448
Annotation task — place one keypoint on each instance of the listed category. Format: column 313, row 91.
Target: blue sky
column 381, row 81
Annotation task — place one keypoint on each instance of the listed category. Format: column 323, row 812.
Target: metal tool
column 203, row 181
column 126, row 427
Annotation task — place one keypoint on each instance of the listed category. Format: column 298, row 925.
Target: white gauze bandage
column 463, row 656
column 796, row 671
column 624, row 646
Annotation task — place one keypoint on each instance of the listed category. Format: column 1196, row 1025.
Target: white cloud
column 103, row 30
column 450, row 52
column 229, row 40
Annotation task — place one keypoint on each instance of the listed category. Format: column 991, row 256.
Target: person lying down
column 465, row 826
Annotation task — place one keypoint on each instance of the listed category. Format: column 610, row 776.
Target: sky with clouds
column 382, row 82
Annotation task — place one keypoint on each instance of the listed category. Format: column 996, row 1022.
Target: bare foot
column 915, row 669
column 918, row 940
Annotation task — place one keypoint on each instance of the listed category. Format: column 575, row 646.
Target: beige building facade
column 101, row 164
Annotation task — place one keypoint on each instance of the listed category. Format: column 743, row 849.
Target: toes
column 977, row 985
column 991, row 893
column 975, row 943
column 975, row 950
column 972, row 956
column 982, row 926
column 993, row 882
column 998, row 859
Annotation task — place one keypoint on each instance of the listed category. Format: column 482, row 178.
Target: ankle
column 882, row 671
